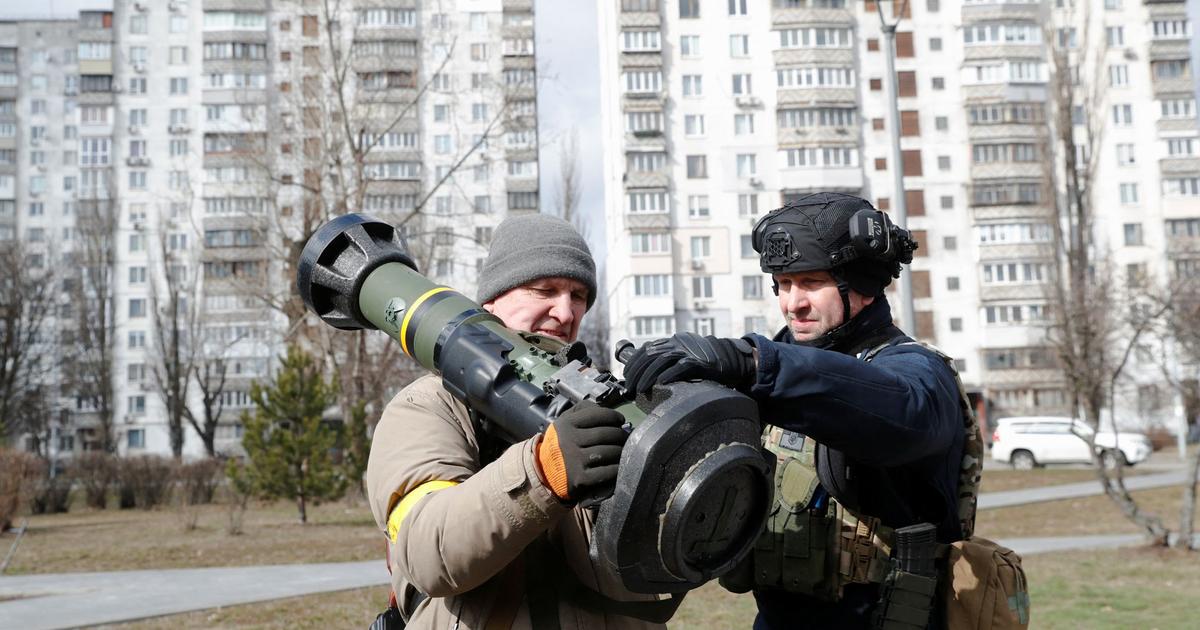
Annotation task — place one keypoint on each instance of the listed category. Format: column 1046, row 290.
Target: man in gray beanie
column 486, row 534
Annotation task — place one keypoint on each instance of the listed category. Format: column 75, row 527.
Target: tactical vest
column 814, row 545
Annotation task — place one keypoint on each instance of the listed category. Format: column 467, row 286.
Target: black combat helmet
column 838, row 233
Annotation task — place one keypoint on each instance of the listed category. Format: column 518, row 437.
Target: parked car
column 1026, row 442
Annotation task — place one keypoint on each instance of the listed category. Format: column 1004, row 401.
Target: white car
column 1031, row 441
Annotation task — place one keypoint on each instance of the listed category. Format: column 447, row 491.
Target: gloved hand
column 688, row 356
column 579, row 453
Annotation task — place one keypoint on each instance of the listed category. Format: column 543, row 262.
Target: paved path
column 1008, row 498
column 87, row 599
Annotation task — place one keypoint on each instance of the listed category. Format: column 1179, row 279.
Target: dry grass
column 119, row 540
column 343, row 609
column 1002, row 480
column 1073, row 517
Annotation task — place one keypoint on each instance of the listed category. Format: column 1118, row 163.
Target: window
column 739, row 45
column 137, row 24
column 137, row 339
column 747, row 205
column 1133, row 234
column 817, row 117
column 1180, row 147
column 702, row 287
column 1115, row 35
column 952, row 283
column 1118, row 75
column 136, row 438
column 441, row 144
column 743, row 124
column 935, row 44
column 747, row 165
column 689, row 9
column 814, row 76
column 179, row 85
column 137, row 180
column 137, row 307
column 479, row 52
column 938, row 83
column 1129, row 193
column 1014, row 273
column 1125, row 155
column 653, row 326
column 693, row 125
column 689, row 46
column 701, row 247
column 703, row 325
column 647, row 203
column 1178, row 108
column 641, row 41
column 93, row 114
column 648, row 123
column 1122, row 115
column 646, row 161
column 746, row 243
column 1170, row 69
column 650, row 243
column 379, row 18
column 693, row 85
column 1172, row 29
column 742, row 85
column 1181, row 187
column 816, row 37
column 820, row 157
column 651, row 285
column 752, row 287
column 137, row 275
column 1011, row 33
column 178, row 24
column 941, row 123
column 737, row 7
column 698, row 206
column 643, row 82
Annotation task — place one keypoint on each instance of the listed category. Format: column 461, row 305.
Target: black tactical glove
column 579, row 453
column 688, row 356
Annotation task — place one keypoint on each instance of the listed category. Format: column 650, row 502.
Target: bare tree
column 26, row 307
column 1183, row 326
column 1092, row 340
column 89, row 370
column 173, row 305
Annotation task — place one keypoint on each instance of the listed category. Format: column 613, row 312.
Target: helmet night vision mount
column 693, row 487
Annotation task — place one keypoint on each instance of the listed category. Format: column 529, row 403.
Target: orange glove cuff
column 550, row 463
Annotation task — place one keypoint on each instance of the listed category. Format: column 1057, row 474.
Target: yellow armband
column 406, row 504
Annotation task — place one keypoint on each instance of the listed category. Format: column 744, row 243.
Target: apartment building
column 718, row 112
column 214, row 134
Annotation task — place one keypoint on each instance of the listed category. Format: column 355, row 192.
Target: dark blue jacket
column 896, row 425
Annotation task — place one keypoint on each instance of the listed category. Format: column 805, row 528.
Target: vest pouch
column 986, row 589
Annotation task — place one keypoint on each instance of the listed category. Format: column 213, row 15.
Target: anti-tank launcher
column 693, row 485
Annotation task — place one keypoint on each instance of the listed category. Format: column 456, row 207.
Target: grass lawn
column 1087, row 515
column 119, row 540
column 1006, row 479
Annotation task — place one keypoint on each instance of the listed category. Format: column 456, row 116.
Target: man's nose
column 796, row 300
column 560, row 308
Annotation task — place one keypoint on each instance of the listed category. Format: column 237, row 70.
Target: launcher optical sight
column 693, row 485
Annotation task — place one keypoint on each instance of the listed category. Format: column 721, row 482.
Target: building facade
column 718, row 112
column 212, row 136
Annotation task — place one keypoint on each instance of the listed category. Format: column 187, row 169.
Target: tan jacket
column 456, row 544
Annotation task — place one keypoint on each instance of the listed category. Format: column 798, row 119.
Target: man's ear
column 489, row 306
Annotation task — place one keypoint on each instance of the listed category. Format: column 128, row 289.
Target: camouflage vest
column 814, row 545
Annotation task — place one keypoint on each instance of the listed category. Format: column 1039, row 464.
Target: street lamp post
column 899, row 207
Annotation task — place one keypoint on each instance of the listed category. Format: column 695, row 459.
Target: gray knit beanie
column 530, row 247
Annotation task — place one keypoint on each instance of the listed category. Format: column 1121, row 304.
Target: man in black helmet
column 868, row 426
